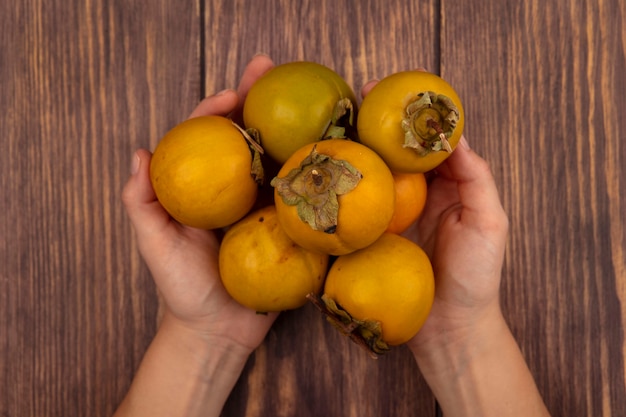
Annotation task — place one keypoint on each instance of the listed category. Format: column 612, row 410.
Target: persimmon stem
column 317, row 178
column 253, row 143
column 347, row 329
column 427, row 112
column 431, row 123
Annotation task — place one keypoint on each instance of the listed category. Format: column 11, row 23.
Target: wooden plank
column 83, row 84
column 543, row 86
column 359, row 39
column 305, row 368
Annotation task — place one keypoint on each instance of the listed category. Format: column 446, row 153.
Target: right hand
column 183, row 260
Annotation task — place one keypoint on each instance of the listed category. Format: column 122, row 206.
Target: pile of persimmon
column 346, row 182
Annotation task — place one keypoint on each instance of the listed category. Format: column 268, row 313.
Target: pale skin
column 465, row 350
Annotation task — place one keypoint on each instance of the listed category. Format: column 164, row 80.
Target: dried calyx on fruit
column 343, row 108
column 314, row 188
column 367, row 334
column 430, row 120
column 254, row 143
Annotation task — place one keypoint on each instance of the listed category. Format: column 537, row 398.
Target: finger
column 221, row 104
column 476, row 186
column 367, row 87
column 146, row 214
column 256, row 68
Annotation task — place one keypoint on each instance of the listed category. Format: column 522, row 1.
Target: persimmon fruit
column 334, row 196
column 412, row 119
column 384, row 291
column 411, row 191
column 263, row 269
column 298, row 103
column 201, row 172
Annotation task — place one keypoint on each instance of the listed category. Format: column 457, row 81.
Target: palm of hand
column 183, row 260
column 464, row 233
column 185, row 268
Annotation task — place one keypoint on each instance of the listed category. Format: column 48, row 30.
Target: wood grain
column 543, row 86
column 84, row 83
column 361, row 40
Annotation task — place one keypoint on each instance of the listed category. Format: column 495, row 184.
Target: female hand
column 183, row 260
column 463, row 229
column 465, row 349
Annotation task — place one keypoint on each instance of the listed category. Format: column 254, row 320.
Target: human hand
column 463, row 229
column 183, row 260
column 465, row 350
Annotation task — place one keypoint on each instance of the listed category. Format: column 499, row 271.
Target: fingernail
column 260, row 54
column 221, row 93
column 463, row 143
column 367, row 87
column 136, row 163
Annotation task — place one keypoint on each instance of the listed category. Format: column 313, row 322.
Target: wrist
column 201, row 345
column 184, row 373
column 478, row 369
column 452, row 346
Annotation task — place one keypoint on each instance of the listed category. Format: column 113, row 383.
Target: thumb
column 477, row 190
column 146, row 214
column 476, row 185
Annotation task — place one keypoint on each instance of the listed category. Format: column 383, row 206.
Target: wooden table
column 85, row 83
